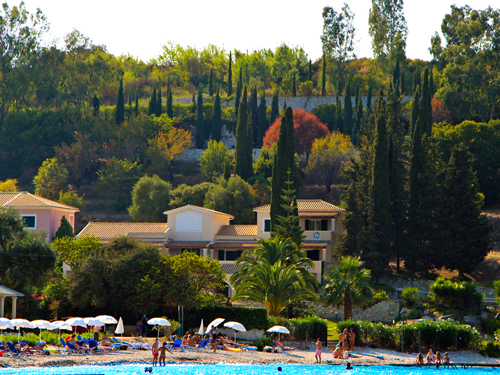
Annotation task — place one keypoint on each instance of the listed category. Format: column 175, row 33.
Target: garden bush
column 450, row 294
column 250, row 317
column 410, row 298
column 413, row 314
column 492, row 326
column 260, row 343
column 310, row 327
column 490, row 349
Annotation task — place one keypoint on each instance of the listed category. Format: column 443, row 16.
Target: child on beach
column 162, row 350
column 318, row 351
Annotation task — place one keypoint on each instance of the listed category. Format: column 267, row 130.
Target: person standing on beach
column 162, row 351
column 154, row 349
column 352, row 339
column 213, row 341
column 319, row 345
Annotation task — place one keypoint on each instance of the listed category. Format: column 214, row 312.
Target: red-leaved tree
column 307, row 128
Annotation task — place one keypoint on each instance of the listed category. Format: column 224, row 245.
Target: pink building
column 38, row 213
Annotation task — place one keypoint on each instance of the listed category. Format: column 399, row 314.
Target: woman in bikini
column 162, row 350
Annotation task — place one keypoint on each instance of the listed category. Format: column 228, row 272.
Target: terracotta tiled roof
column 310, row 244
column 237, row 230
column 229, row 244
column 24, row 199
column 200, row 208
column 143, row 231
column 317, row 214
column 308, row 205
column 188, row 244
column 229, row 268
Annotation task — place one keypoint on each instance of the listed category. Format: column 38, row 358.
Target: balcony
column 322, row 235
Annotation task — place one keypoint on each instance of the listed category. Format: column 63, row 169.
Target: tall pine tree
column 152, row 103
column 369, row 96
column 230, row 76
column 159, row 104
column 211, row 83
column 200, row 123
column 348, row 120
column 262, row 120
column 193, row 105
column 120, row 105
column 217, row 119
column 275, row 109
column 359, row 112
column 243, row 150
column 323, row 76
column 425, row 105
column 380, row 192
column 254, row 117
column 415, row 110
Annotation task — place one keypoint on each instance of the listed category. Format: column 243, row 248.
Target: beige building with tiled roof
column 39, row 214
column 209, row 233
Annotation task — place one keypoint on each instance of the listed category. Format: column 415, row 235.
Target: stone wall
column 307, row 103
column 383, row 311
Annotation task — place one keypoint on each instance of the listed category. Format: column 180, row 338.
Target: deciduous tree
column 52, row 178
column 150, row 198
column 214, row 159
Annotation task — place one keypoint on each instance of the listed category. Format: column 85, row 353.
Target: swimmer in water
column 349, row 366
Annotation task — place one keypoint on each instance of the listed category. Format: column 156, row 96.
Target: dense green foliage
column 251, row 318
column 65, row 229
column 150, row 198
column 450, row 294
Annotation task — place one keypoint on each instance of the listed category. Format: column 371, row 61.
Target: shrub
column 260, row 343
column 250, row 317
column 492, row 326
column 381, row 296
column 455, row 295
column 410, row 298
column 413, row 314
column 490, row 349
column 310, row 327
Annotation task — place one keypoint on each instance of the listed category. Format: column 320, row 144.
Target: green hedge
column 455, row 295
column 439, row 335
column 490, row 349
column 250, row 317
column 309, row 327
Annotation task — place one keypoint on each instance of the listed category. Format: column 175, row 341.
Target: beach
column 222, row 356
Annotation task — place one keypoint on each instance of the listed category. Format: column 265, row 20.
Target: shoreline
column 193, row 357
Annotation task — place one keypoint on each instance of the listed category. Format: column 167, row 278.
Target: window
column 29, row 221
column 195, row 251
column 229, row 254
column 316, row 225
column 313, row 254
column 267, row 225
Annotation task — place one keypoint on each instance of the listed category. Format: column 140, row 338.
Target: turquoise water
column 225, row 369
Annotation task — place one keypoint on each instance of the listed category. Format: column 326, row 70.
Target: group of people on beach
column 433, row 359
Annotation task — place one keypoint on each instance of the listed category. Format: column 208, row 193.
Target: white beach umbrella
column 42, row 324
column 5, row 324
column 159, row 322
column 120, row 328
column 236, row 327
column 76, row 322
column 214, row 323
column 21, row 323
column 107, row 319
column 92, row 322
column 279, row 330
column 201, row 331
column 61, row 324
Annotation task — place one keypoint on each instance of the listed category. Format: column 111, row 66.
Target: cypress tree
column 348, row 127
column 65, row 229
column 243, row 167
column 230, row 76
column 159, row 103
column 288, row 226
column 120, row 105
column 237, row 100
column 396, row 75
column 152, row 103
column 136, row 109
column 415, row 110
column 431, row 82
column 380, row 188
column 462, row 232
column 359, row 112
column 338, row 107
column 254, row 117
column 294, row 86
column 323, row 77
column 369, row 96
column 275, row 110
column 96, row 103
column 403, row 84
column 130, row 99
column 200, row 124
column 416, row 79
column 284, row 161
column 425, row 105
column 217, row 119
column 309, row 71
column 262, row 120
column 211, row 83
column 170, row 107
column 193, row 105
column 227, row 169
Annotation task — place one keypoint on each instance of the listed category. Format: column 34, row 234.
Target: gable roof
column 237, row 230
column 308, row 206
column 24, row 199
column 199, row 209
column 147, row 232
column 6, row 292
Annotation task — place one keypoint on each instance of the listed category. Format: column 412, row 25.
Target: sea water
column 230, row 369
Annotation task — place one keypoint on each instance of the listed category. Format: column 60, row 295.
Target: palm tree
column 274, row 274
column 348, row 285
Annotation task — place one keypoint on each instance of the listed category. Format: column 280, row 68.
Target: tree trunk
column 347, row 307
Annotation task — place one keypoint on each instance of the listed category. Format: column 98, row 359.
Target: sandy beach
column 221, row 356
